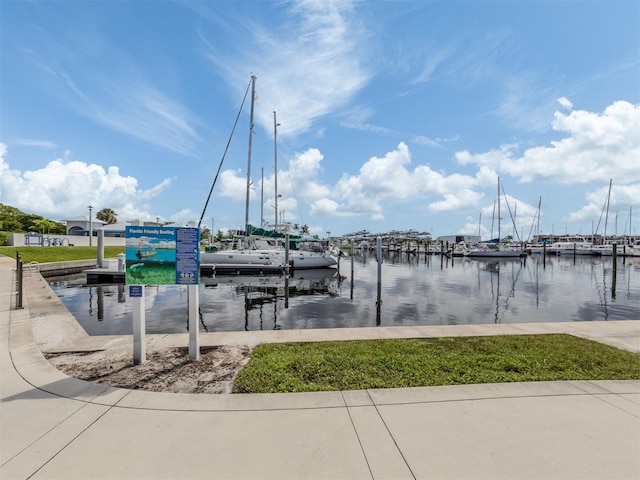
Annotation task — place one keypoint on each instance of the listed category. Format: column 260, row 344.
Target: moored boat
column 267, row 247
column 495, row 250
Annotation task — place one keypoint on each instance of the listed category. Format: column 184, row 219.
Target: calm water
column 415, row 290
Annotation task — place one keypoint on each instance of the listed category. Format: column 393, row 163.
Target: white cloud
column 184, row 216
column 297, row 181
column 28, row 142
column 310, row 70
column 460, row 200
column 621, row 197
column 137, row 109
column 597, row 147
column 121, row 99
column 389, row 177
column 565, row 103
column 233, row 185
column 66, row 188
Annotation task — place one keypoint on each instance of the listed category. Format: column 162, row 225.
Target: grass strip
column 395, row 363
column 59, row 254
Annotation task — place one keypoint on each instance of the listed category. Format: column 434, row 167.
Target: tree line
column 16, row 221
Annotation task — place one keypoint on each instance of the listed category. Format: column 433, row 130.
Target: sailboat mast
column 499, row 211
column 262, row 197
column 275, row 163
column 606, row 218
column 246, row 208
column 538, row 224
column 629, row 238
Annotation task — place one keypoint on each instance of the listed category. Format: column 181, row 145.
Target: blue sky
column 393, row 114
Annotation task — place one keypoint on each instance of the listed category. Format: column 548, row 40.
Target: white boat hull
column 301, row 259
column 495, row 253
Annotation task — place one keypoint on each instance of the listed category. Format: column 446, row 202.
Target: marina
column 414, row 290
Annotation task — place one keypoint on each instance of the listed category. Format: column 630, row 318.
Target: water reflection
column 266, row 296
column 414, row 290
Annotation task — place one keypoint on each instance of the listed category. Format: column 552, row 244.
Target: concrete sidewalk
column 53, row 426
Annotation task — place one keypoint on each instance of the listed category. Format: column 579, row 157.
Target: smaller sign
column 135, row 290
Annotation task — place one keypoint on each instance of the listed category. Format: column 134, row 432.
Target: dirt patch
column 166, row 370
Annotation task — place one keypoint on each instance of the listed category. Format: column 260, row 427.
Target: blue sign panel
column 187, row 256
column 135, row 290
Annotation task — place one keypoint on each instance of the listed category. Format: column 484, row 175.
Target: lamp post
column 90, row 225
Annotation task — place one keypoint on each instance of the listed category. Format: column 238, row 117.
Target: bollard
column 614, row 270
column 19, row 277
column 100, row 259
column 379, row 300
column 352, row 264
column 121, row 262
column 288, row 266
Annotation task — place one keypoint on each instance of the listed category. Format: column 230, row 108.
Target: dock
column 110, row 275
column 209, row 270
column 104, row 275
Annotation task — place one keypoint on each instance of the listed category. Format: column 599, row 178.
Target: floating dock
column 104, row 275
column 109, row 275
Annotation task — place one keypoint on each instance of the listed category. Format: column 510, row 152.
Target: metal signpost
column 162, row 256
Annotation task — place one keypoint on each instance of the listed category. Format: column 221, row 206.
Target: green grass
column 356, row 365
column 58, row 254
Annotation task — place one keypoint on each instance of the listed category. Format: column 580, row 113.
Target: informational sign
column 162, row 256
column 187, row 256
column 135, row 290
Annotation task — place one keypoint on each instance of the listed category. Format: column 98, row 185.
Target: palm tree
column 305, row 229
column 107, row 215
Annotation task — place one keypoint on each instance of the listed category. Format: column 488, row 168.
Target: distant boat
column 266, row 247
column 494, row 248
column 604, row 250
column 566, row 247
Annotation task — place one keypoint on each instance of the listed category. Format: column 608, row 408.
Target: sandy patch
column 166, row 370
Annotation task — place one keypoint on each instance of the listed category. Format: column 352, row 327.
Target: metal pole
column 100, row 247
column 286, row 255
column 193, row 294
column 379, row 297
column 90, row 225
column 19, row 276
column 614, row 269
column 352, row 266
column 253, row 97
column 275, row 160
column 139, row 341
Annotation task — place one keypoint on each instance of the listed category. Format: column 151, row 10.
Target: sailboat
column 493, row 248
column 604, row 249
column 263, row 247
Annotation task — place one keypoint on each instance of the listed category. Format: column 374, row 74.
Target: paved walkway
column 53, row 426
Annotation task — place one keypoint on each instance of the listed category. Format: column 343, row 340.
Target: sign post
column 136, row 292
column 187, row 272
column 193, row 295
column 162, row 256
